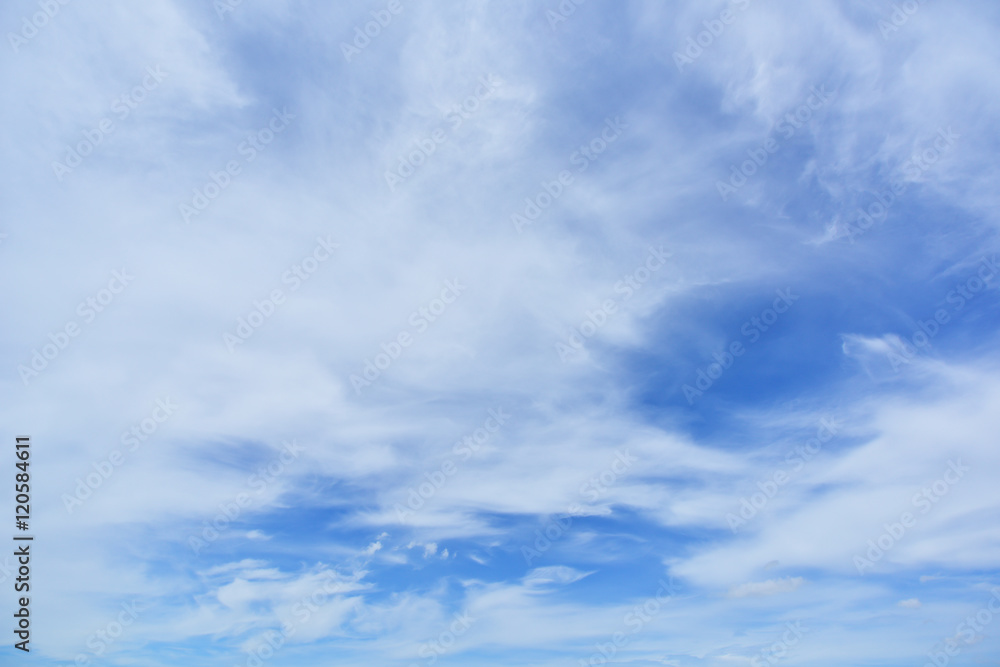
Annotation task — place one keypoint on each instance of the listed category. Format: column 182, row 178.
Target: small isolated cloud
column 553, row 574
column 245, row 564
column 769, row 587
column 430, row 549
column 262, row 573
column 855, row 345
column 912, row 603
column 257, row 535
column 376, row 545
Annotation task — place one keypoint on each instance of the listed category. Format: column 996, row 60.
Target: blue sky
column 522, row 333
